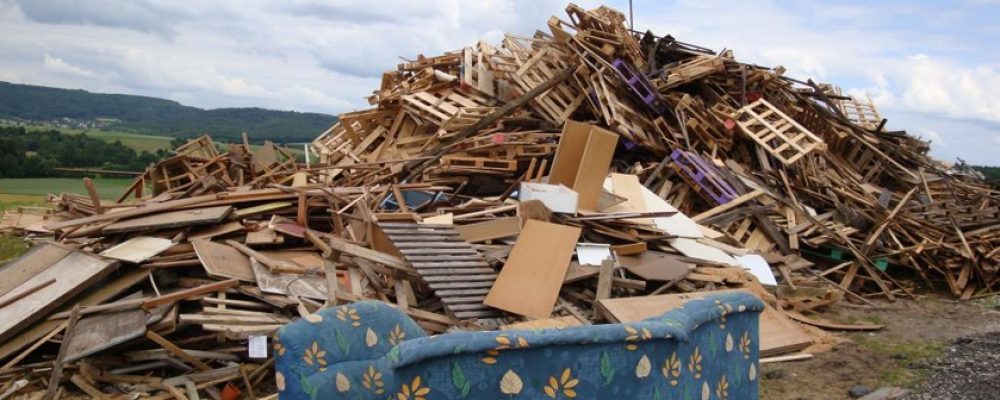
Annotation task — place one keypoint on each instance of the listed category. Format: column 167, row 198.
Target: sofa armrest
column 361, row 331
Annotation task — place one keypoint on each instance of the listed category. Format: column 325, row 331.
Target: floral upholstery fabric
column 707, row 349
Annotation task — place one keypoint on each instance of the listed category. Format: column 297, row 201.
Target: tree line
column 36, row 154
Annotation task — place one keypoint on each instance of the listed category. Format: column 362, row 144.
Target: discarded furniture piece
column 369, row 350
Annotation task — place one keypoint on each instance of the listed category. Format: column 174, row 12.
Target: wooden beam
column 183, row 294
column 166, row 344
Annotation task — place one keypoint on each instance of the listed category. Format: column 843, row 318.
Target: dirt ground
column 913, row 348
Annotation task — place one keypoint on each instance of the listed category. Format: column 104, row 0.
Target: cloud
column 930, row 135
column 925, row 65
column 57, row 65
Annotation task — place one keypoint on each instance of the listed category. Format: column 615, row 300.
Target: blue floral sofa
column 708, row 349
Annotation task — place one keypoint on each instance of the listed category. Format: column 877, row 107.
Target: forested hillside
column 158, row 116
column 35, row 154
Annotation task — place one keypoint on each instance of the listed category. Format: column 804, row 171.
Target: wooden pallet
column 777, row 133
column 479, row 163
column 441, row 106
column 861, row 112
column 453, row 269
column 558, row 103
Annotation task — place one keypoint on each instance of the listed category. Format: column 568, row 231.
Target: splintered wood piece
column 530, row 281
column 179, row 352
column 188, row 293
column 138, row 249
column 57, row 365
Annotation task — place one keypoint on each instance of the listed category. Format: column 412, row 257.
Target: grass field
column 135, row 141
column 107, row 188
column 13, row 246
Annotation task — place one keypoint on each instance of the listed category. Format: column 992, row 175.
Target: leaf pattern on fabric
column 510, row 383
column 643, row 367
column 460, row 381
column 564, row 385
column 413, row 391
column 672, row 369
column 372, row 380
column 694, row 363
column 607, row 370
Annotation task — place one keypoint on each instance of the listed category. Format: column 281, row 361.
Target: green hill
column 150, row 115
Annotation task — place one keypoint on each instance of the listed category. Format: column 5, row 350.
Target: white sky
column 930, row 66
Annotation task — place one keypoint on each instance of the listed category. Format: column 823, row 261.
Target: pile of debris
column 586, row 174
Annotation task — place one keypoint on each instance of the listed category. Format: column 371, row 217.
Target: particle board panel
column 138, row 249
column 223, row 261
column 73, row 273
column 678, row 224
column 582, row 160
column 530, row 281
column 778, row 334
column 492, row 229
column 173, row 219
column 100, row 332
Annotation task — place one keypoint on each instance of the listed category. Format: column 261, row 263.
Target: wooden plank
column 587, row 151
column 530, row 280
column 488, row 230
column 102, row 331
column 222, row 261
column 138, row 249
column 778, row 334
column 57, row 365
column 73, row 273
column 172, row 219
column 187, row 293
column 166, row 344
column 216, row 230
column 31, row 263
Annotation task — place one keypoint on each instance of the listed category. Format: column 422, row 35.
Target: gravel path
column 968, row 370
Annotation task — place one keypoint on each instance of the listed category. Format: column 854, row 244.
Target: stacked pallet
column 583, row 175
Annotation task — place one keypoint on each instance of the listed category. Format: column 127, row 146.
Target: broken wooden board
column 530, row 280
column 656, row 266
column 489, row 230
column 778, row 334
column 453, row 269
column 222, row 261
column 308, row 286
column 100, row 332
column 217, row 230
column 138, row 249
column 72, row 273
column 172, row 219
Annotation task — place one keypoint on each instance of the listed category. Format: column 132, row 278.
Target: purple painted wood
column 639, row 85
column 704, row 175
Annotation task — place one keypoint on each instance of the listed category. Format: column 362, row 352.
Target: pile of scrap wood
column 587, row 174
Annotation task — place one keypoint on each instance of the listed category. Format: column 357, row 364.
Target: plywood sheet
column 656, row 266
column 217, row 230
column 73, row 273
column 572, row 142
column 223, row 261
column 778, row 334
column 529, row 282
column 173, row 219
column 102, row 331
column 594, row 167
column 138, row 249
column 692, row 248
